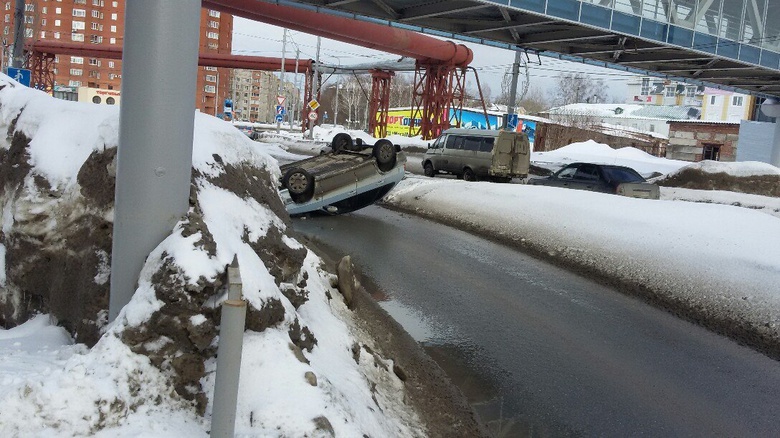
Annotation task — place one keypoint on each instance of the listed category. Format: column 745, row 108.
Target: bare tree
column 401, row 88
column 534, row 101
column 578, row 88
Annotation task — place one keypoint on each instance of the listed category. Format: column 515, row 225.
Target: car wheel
column 468, row 175
column 342, row 141
column 384, row 153
column 428, row 169
column 299, row 184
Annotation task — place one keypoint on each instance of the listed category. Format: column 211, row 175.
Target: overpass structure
column 731, row 44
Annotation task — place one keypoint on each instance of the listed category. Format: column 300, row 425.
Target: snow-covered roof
column 628, row 111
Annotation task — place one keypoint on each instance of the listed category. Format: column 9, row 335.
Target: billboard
column 529, row 127
column 398, row 121
column 475, row 120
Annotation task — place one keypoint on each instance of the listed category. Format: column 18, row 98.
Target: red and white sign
column 312, row 116
column 281, row 100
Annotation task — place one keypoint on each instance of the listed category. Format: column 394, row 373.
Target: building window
column 214, row 46
column 645, row 87
column 214, row 24
column 712, row 100
column 58, row 11
column 736, row 100
column 43, row 34
column 112, row 40
column 711, row 152
column 210, row 68
column 115, row 4
column 110, row 101
column 113, row 29
column 78, row 25
column 43, row 10
column 77, row 37
column 74, row 83
column 28, row 33
column 210, row 89
column 669, row 91
column 214, row 14
column 94, row 61
column 28, row 19
column 213, row 35
column 57, row 23
column 96, row 99
column 97, row 14
column 113, row 16
column 211, row 78
column 76, row 60
column 110, row 64
column 30, row 7
column 97, row 2
column 79, row 2
column 56, row 35
column 95, row 39
column 8, row 6
column 690, row 92
column 95, row 26
column 79, row 13
column 75, row 72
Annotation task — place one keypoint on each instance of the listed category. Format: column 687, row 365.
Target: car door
column 587, row 177
column 564, row 177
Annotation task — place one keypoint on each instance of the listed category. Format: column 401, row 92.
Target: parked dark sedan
column 604, row 178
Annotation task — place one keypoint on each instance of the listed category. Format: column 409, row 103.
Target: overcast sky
column 259, row 39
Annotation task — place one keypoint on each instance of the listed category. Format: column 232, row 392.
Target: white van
column 474, row 154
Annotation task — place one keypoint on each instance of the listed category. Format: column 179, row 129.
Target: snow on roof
column 627, row 111
column 593, row 152
column 739, row 169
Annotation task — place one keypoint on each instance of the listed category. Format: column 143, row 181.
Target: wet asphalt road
column 542, row 352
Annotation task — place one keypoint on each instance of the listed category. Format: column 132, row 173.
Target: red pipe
column 204, row 59
column 388, row 39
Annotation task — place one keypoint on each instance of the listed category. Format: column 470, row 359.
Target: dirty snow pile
column 307, row 370
column 722, row 261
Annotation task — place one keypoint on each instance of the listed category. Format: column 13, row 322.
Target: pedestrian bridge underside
column 733, row 44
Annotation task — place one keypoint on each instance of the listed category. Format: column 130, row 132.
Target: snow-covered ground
column 336, row 385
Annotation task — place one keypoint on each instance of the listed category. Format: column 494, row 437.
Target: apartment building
column 102, row 22
column 715, row 104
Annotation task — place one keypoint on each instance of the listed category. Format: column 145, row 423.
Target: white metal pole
column 281, row 77
column 315, row 85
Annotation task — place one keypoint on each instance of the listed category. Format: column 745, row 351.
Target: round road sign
column 312, row 116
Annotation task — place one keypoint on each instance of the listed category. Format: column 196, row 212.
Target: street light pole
column 281, row 79
column 18, row 59
column 336, row 109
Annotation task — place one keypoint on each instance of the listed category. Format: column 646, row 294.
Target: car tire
column 299, row 184
column 341, row 141
column 385, row 155
column 428, row 170
column 468, row 175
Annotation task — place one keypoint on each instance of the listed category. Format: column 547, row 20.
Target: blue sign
column 20, row 75
column 511, row 122
column 279, row 118
column 280, row 110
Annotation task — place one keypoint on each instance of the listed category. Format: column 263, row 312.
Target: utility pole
column 281, row 78
column 315, row 85
column 336, row 109
column 294, row 102
column 515, row 77
column 18, row 60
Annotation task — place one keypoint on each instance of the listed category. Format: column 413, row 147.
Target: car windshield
column 621, row 174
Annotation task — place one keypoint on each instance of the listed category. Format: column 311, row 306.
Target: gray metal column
column 513, row 88
column 772, row 109
column 18, row 56
column 154, row 161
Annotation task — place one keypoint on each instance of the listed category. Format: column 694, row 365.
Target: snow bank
column 739, row 169
column 307, row 370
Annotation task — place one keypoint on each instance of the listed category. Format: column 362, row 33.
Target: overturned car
column 351, row 176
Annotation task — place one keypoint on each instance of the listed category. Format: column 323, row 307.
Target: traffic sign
column 20, row 75
column 312, row 116
column 280, row 110
column 280, row 100
column 511, row 122
column 314, row 104
column 279, row 118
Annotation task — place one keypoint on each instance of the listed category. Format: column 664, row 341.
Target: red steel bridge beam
column 387, row 39
column 43, row 73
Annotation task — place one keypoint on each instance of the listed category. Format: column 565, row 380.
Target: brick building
column 697, row 140
column 102, row 22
